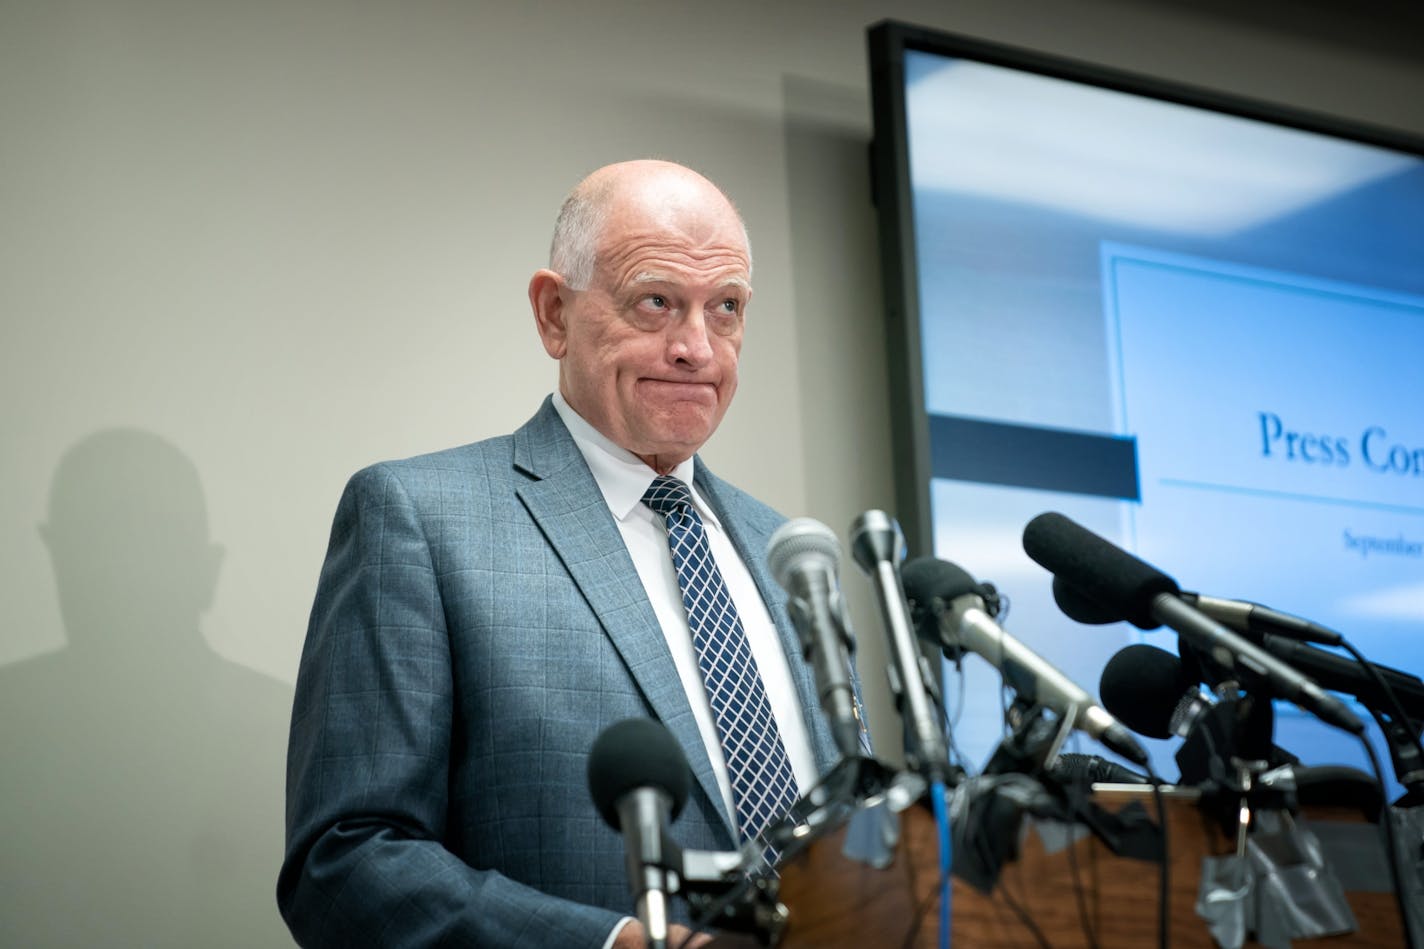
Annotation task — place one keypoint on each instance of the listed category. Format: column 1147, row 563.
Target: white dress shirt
column 624, row 479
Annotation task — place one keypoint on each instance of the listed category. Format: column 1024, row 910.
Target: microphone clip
column 927, row 617
column 994, row 601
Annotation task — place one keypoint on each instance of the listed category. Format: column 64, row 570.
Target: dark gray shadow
column 840, row 311
column 1393, row 28
column 142, row 774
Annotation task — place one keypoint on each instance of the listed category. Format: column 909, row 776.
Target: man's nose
column 689, row 340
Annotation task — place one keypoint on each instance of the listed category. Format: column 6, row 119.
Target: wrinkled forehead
column 675, row 247
column 710, row 259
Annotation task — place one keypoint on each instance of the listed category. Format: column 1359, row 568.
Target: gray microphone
column 952, row 614
column 804, row 556
column 878, row 547
column 1257, row 620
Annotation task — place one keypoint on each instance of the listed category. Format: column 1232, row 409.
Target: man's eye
column 730, row 305
column 657, row 300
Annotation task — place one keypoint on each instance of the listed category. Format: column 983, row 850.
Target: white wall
column 258, row 245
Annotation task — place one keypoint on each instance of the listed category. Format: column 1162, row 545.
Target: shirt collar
column 622, row 476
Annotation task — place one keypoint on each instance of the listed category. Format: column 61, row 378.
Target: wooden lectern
column 835, row 902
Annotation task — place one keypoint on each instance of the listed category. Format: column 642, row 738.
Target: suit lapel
column 571, row 512
column 750, row 528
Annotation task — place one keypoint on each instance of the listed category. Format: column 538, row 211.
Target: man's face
column 652, row 344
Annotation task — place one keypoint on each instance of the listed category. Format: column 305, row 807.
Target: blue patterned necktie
column 763, row 785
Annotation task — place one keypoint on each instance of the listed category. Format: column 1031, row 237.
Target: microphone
column 951, row 612
column 1250, row 619
column 1329, row 670
column 1080, row 609
column 1257, row 620
column 1148, row 598
column 1149, row 690
column 1153, row 692
column 639, row 780
column 1070, row 768
column 804, row 555
column 878, row 547
column 1340, row 674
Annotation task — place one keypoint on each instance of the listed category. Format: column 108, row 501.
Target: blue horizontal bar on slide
column 1027, row 456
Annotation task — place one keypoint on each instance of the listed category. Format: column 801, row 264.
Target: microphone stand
column 1228, row 749
column 738, row 891
column 1034, row 739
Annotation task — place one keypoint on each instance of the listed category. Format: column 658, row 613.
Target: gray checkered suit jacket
column 477, row 623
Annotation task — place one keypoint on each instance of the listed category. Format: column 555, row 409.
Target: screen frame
column 887, row 43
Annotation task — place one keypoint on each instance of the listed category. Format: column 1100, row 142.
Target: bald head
column 643, row 305
column 654, row 189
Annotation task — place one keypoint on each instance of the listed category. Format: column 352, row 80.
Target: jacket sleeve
column 368, row 759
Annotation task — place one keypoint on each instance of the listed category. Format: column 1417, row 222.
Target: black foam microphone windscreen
column 636, row 753
column 1079, row 608
column 1097, row 568
column 1143, row 686
column 927, row 579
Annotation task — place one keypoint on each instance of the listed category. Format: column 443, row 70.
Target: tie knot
column 667, row 495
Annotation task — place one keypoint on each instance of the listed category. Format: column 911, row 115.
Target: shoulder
column 732, row 502
column 486, row 463
column 492, row 467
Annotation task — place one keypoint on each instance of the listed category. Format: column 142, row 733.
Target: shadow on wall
column 142, row 773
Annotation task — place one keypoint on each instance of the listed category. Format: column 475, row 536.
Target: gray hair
column 576, row 233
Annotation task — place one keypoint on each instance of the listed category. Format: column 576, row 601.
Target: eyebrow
column 648, row 277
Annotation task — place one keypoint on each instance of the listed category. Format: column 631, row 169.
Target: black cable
column 1391, row 844
column 1079, row 896
column 1396, row 710
column 956, row 754
column 963, row 843
column 920, row 911
column 1023, row 916
column 1078, row 793
column 1165, row 871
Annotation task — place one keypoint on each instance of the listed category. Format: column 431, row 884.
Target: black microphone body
column 639, row 780
column 1090, row 769
column 1329, row 670
column 1340, row 674
column 803, row 555
column 1146, row 597
column 964, row 623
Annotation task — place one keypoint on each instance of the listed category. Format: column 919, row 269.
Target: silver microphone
column 944, row 589
column 804, row 556
column 878, row 547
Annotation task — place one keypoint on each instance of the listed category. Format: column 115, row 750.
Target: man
column 484, row 612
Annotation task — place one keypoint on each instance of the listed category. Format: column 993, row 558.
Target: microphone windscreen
column 1141, row 686
column 1100, row 570
column 1079, row 608
column 926, row 578
column 798, row 540
column 636, row 753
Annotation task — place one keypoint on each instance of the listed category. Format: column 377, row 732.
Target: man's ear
column 547, row 300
